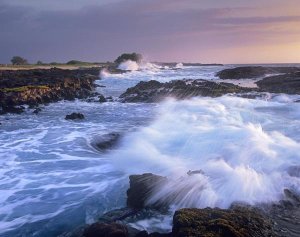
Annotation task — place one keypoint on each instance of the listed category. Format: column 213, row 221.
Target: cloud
column 163, row 30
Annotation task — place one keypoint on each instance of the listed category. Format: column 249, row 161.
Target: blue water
column 52, row 179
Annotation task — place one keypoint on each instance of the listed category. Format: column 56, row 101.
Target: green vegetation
column 76, row 62
column 22, row 88
column 17, row 60
column 129, row 56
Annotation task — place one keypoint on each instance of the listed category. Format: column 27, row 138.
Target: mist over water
column 52, row 179
column 243, row 152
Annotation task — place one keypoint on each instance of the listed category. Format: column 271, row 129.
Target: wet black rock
column 286, row 215
column 287, row 83
column 154, row 91
column 37, row 110
column 155, row 234
column 107, row 141
column 74, row 116
column 215, row 222
column 141, row 188
column 253, row 72
column 101, row 99
column 106, row 230
column 41, row 86
column 12, row 109
column 195, row 172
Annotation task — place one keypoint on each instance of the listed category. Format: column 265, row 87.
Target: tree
column 17, row 60
column 39, row 62
column 129, row 56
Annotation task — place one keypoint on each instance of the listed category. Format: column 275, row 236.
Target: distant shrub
column 54, row 63
column 39, row 63
column 129, row 56
column 76, row 62
column 17, row 60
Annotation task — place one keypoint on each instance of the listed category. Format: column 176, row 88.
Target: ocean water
column 52, row 178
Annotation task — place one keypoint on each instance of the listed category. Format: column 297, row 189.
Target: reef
column 253, row 72
column 154, row 91
column 239, row 220
column 40, row 86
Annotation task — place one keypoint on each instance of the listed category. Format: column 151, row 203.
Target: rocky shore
column 39, row 86
column 254, row 72
column 287, row 83
column 240, row 220
column 154, row 91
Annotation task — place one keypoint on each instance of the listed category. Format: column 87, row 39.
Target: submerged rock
column 74, row 116
column 154, row 91
column 215, row 222
column 253, row 72
column 107, row 141
column 106, row 230
column 37, row 110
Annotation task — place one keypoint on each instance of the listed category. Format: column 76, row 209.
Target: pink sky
column 228, row 31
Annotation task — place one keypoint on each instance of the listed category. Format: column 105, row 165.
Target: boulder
column 141, row 187
column 107, row 141
column 101, row 99
column 74, row 116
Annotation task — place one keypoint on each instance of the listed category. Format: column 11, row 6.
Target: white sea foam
column 238, row 144
column 179, row 65
column 129, row 66
column 247, row 149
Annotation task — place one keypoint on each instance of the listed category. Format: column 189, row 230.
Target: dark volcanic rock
column 106, row 230
column 39, row 86
column 107, row 141
column 154, row 91
column 12, row 109
column 37, row 110
column 102, row 99
column 253, row 72
column 74, row 116
column 287, row 83
column 141, row 187
column 236, row 222
column 117, row 215
column 286, row 215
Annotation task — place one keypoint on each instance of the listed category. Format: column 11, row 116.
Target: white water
column 244, row 147
column 52, row 179
column 129, row 66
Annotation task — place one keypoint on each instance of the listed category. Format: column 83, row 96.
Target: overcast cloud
column 170, row 30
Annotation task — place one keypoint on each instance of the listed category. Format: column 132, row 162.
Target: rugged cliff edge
column 38, row 86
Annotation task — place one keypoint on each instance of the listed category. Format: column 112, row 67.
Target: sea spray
column 179, row 65
column 129, row 66
column 237, row 143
